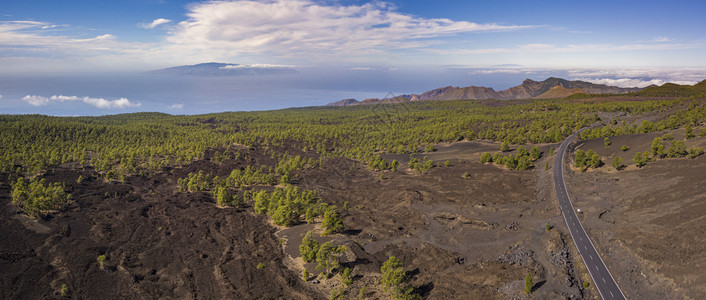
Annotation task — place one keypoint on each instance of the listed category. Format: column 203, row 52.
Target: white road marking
column 591, row 256
column 611, row 294
column 603, row 279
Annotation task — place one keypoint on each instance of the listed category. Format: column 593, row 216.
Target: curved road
column 604, row 282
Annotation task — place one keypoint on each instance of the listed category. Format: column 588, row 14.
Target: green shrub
column 486, row 158
column 618, row 163
column 101, row 260
column 64, row 291
column 361, row 293
column 695, row 152
column 347, row 277
column 639, row 160
column 677, row 149
column 338, row 293
column 689, row 132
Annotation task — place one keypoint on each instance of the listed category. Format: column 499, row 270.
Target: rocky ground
column 459, row 237
column 647, row 223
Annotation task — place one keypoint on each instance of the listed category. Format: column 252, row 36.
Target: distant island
column 214, row 69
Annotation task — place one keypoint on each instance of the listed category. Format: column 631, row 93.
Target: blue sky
column 623, row 43
column 114, row 35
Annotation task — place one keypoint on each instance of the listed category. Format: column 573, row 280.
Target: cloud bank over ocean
column 35, row 100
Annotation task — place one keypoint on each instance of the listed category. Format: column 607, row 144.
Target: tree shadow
column 425, row 289
column 352, row 231
column 538, row 285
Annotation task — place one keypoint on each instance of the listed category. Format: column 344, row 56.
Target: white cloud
column 574, row 48
column 0, row 96
column 503, row 71
column 30, row 46
column 176, row 106
column 261, row 66
column 155, row 23
column 374, row 68
column 36, row 100
column 633, row 82
column 661, row 39
column 118, row 103
column 97, row 102
column 639, row 77
column 309, row 30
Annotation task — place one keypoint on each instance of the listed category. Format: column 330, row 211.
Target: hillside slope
column 550, row 88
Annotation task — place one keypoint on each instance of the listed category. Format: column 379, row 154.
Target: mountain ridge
column 551, row 87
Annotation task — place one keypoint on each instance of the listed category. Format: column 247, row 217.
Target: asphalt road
column 602, row 279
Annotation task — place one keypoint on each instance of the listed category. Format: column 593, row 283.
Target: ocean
column 199, row 95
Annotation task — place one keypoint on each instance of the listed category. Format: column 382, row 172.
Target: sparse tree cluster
column 420, row 166
column 587, row 159
column 523, row 160
column 328, row 258
column 248, row 177
column 36, row 197
column 195, row 182
column 396, row 281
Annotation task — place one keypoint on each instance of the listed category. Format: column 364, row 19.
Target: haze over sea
column 310, row 87
column 197, row 95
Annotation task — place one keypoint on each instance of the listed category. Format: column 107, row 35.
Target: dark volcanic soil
column 159, row 244
column 648, row 223
column 472, row 237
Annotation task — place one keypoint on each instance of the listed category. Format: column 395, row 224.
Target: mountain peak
column 549, row 88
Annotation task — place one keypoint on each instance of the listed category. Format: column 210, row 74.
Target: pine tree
column 528, row 284
column 308, row 248
column 657, row 147
column 504, row 147
column 618, row 163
